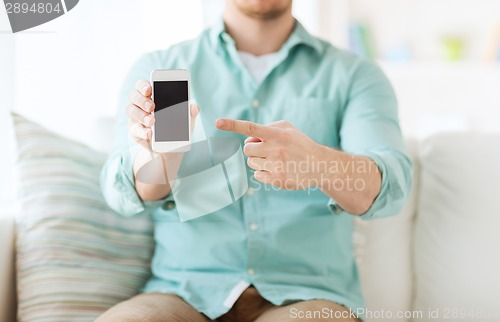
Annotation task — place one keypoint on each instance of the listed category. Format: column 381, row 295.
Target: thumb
column 195, row 111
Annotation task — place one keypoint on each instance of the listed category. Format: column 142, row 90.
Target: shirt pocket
column 319, row 118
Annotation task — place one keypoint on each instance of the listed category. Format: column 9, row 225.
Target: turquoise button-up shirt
column 290, row 245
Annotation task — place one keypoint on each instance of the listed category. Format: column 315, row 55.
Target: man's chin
column 265, row 15
column 258, row 12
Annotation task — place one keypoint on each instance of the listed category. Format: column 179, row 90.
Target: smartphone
column 171, row 131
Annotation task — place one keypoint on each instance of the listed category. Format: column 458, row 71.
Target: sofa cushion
column 457, row 238
column 75, row 257
column 384, row 254
column 7, row 275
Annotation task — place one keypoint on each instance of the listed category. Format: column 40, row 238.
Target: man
column 280, row 254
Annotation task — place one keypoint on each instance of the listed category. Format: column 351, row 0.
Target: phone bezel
column 165, row 75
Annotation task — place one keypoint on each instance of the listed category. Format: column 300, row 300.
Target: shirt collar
column 299, row 36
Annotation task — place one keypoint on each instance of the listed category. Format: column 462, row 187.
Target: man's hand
column 280, row 154
column 141, row 119
column 140, row 113
column 285, row 157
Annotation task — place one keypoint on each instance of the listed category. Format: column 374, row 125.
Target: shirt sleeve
column 370, row 127
column 117, row 177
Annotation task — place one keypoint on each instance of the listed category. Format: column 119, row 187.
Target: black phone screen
column 171, row 110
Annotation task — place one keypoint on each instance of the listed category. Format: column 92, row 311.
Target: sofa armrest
column 7, row 268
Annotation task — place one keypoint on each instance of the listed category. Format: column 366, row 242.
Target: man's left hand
column 280, row 154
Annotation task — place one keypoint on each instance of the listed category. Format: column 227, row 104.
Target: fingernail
column 145, row 89
column 220, row 123
column 148, row 119
column 148, row 106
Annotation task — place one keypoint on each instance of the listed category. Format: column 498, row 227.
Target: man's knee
column 310, row 311
column 152, row 307
column 321, row 310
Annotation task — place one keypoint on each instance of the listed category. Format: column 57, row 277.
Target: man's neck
column 256, row 36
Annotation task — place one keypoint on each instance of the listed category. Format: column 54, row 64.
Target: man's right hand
column 140, row 112
column 141, row 119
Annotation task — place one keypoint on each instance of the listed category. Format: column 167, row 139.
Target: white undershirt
column 258, row 66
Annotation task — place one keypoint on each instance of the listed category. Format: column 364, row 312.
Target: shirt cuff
column 386, row 202
column 124, row 197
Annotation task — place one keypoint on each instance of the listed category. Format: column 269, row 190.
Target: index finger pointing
column 246, row 128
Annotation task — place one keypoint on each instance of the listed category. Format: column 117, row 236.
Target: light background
column 66, row 74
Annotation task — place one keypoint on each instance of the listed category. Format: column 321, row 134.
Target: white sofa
column 7, row 274
column 437, row 261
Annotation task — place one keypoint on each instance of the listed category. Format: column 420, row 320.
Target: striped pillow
column 75, row 257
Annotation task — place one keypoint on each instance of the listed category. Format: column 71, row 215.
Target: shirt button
column 251, row 272
column 254, row 226
column 169, row 205
column 250, row 192
column 255, row 103
column 337, row 210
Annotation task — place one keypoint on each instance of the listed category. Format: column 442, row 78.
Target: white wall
column 171, row 22
column 422, row 24
column 435, row 97
column 7, row 79
column 327, row 19
column 67, row 73
column 71, row 68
